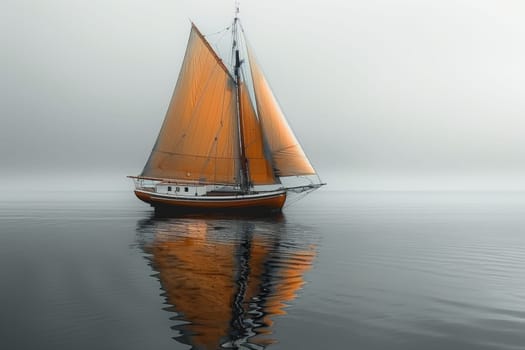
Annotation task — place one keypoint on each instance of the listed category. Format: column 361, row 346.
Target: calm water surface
column 355, row 270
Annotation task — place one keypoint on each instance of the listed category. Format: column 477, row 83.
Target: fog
column 381, row 94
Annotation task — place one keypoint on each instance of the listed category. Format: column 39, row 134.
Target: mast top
column 237, row 4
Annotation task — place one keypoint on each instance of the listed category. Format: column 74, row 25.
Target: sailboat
column 224, row 143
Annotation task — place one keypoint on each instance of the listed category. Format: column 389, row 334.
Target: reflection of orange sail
column 198, row 281
column 216, row 278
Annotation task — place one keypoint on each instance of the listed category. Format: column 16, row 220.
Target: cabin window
column 177, row 189
column 186, row 189
column 169, row 188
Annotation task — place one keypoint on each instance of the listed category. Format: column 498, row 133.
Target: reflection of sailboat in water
column 226, row 279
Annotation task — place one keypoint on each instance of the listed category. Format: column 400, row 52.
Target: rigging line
column 212, row 51
column 183, row 181
column 298, row 197
column 217, row 42
column 219, row 32
column 229, row 56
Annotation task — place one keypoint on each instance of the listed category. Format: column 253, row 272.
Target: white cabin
column 181, row 189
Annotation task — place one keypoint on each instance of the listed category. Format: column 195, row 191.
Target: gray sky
column 381, row 94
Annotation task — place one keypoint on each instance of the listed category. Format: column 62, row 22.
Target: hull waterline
column 272, row 202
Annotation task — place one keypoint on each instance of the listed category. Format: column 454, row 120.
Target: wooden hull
column 260, row 203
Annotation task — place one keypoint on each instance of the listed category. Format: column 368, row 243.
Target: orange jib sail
column 287, row 155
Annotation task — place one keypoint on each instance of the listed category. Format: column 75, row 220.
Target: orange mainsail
column 198, row 140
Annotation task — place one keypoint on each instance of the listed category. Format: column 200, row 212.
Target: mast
column 245, row 179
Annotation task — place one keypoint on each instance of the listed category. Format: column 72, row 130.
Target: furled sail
column 287, row 155
column 260, row 169
column 199, row 138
